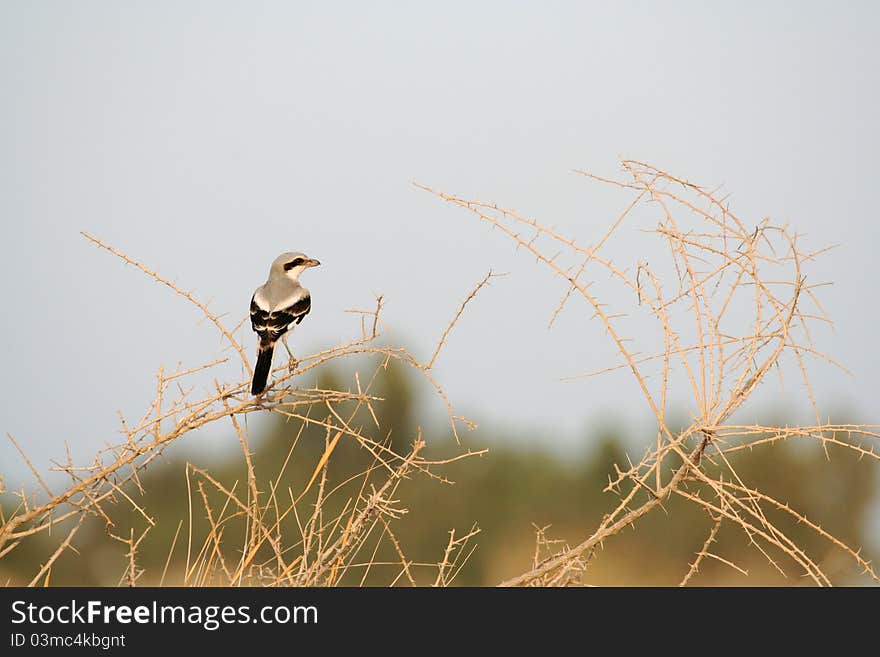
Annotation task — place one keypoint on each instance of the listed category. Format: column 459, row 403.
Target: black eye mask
column 296, row 262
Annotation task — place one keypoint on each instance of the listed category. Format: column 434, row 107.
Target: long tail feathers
column 261, row 371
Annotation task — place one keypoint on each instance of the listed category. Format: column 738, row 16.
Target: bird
column 277, row 306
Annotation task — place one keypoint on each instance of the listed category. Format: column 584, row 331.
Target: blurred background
column 205, row 138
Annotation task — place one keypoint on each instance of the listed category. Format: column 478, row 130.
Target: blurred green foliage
column 506, row 493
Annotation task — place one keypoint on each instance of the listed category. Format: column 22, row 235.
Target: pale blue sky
column 206, row 138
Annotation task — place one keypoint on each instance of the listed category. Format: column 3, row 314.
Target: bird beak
column 311, row 262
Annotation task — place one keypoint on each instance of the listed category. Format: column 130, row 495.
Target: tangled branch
column 722, row 271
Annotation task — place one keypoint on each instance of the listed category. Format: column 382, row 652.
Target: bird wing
column 270, row 325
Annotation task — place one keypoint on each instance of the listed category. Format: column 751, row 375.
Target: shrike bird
column 277, row 306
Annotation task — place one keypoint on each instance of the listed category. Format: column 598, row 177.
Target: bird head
column 292, row 264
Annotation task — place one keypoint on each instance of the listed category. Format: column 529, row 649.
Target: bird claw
column 267, row 397
column 292, row 361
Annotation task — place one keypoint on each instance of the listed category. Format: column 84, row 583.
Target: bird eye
column 296, row 262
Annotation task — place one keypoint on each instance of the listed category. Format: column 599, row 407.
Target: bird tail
column 261, row 371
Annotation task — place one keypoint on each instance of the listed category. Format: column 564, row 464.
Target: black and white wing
column 270, row 325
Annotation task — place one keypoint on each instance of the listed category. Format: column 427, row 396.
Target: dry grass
column 719, row 271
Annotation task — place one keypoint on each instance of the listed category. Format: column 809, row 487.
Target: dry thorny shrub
column 731, row 305
column 327, row 545
column 720, row 272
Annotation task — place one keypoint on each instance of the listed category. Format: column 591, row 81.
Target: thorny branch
column 325, row 549
column 719, row 270
column 722, row 270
